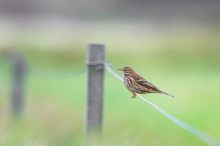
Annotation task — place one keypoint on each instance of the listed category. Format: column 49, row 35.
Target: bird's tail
column 162, row 92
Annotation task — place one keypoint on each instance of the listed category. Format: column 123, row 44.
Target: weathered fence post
column 95, row 64
column 18, row 77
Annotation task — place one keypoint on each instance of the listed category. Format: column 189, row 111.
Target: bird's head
column 127, row 71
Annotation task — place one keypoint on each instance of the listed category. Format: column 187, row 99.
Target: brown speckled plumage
column 137, row 84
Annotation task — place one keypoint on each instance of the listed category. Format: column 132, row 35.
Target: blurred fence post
column 95, row 65
column 18, row 77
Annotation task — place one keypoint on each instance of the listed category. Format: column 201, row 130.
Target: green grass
column 55, row 100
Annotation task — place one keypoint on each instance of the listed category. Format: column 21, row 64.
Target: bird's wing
column 147, row 84
column 141, row 81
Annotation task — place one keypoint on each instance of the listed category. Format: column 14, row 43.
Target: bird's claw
column 134, row 95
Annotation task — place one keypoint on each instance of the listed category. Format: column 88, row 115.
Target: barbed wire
column 194, row 131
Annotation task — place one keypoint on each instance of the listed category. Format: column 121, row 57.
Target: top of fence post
column 95, row 54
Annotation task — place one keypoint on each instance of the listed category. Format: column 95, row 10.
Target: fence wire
column 51, row 74
column 194, row 131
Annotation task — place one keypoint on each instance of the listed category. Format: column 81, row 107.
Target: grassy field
column 55, row 96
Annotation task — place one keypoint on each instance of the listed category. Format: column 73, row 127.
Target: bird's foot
column 134, row 95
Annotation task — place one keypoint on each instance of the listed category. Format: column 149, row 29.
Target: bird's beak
column 120, row 69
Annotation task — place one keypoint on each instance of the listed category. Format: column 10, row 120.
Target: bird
column 137, row 84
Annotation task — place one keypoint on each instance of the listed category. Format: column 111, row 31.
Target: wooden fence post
column 95, row 65
column 18, row 77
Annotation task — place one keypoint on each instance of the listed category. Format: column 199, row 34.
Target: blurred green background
column 177, row 50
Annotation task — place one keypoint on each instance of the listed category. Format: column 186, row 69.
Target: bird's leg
column 134, row 95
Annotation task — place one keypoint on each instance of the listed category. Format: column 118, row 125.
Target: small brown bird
column 137, row 84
